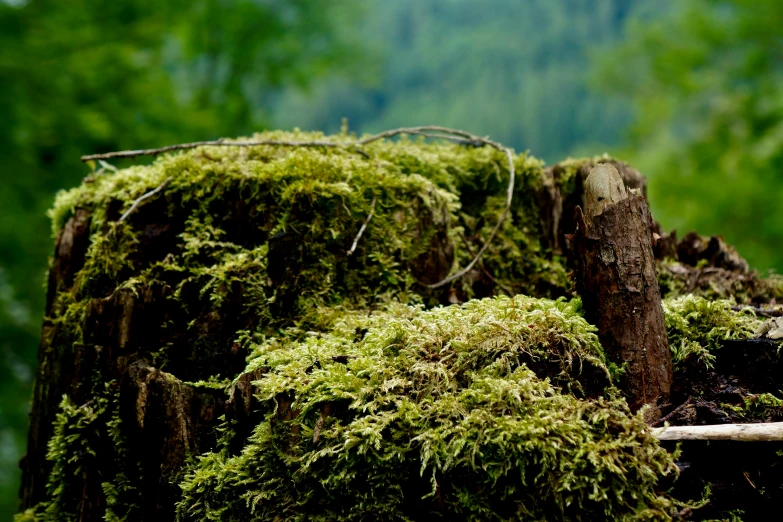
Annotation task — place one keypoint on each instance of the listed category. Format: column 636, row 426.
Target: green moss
column 696, row 326
column 406, row 413
column 375, row 402
column 87, row 438
column 764, row 407
column 71, row 447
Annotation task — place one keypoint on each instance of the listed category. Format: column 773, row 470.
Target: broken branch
column 672, row 413
column 767, row 431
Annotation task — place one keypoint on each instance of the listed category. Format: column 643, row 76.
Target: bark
column 58, row 366
column 164, row 420
column 617, row 281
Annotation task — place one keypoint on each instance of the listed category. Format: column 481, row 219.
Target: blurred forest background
column 690, row 92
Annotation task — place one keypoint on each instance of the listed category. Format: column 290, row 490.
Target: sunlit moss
column 696, row 326
column 457, row 412
column 378, row 403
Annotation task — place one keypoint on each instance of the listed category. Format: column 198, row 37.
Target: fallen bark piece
column 767, row 431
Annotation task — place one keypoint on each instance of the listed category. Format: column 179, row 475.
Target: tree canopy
column 705, row 81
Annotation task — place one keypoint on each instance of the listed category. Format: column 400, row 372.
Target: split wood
column 767, row 431
column 427, row 131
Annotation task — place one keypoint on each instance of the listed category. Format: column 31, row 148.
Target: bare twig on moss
column 214, row 143
column 430, row 131
column 147, row 195
column 768, row 312
column 364, row 226
column 506, row 289
column 445, row 132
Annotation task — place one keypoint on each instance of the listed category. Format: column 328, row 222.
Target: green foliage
column 516, row 71
column 705, row 80
column 696, row 326
column 764, row 407
column 93, row 75
column 88, row 438
column 437, row 413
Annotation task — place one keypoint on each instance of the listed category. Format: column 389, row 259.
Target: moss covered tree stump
column 220, row 350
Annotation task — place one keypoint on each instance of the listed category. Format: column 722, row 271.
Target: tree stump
column 616, row 279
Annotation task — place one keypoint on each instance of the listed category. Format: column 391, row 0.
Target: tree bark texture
column 617, row 281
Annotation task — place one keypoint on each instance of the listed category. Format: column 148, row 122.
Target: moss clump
column 407, row 414
column 696, row 326
column 86, row 438
column 764, row 407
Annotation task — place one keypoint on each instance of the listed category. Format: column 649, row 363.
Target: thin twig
column 428, row 130
column 672, row 413
column 142, row 198
column 506, row 209
column 364, row 226
column 484, row 269
column 757, row 432
column 214, row 143
column 416, row 130
column 771, row 312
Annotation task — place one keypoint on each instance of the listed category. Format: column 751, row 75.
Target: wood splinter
column 615, row 276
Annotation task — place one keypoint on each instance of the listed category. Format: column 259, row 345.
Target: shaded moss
column 764, row 407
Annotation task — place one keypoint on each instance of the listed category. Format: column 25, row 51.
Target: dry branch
column 768, row 431
column 674, row 412
column 484, row 269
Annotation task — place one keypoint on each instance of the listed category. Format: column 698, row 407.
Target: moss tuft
column 469, row 412
column 696, row 326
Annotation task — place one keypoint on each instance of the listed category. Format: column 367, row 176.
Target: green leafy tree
column 94, row 75
column 514, row 70
column 705, row 80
